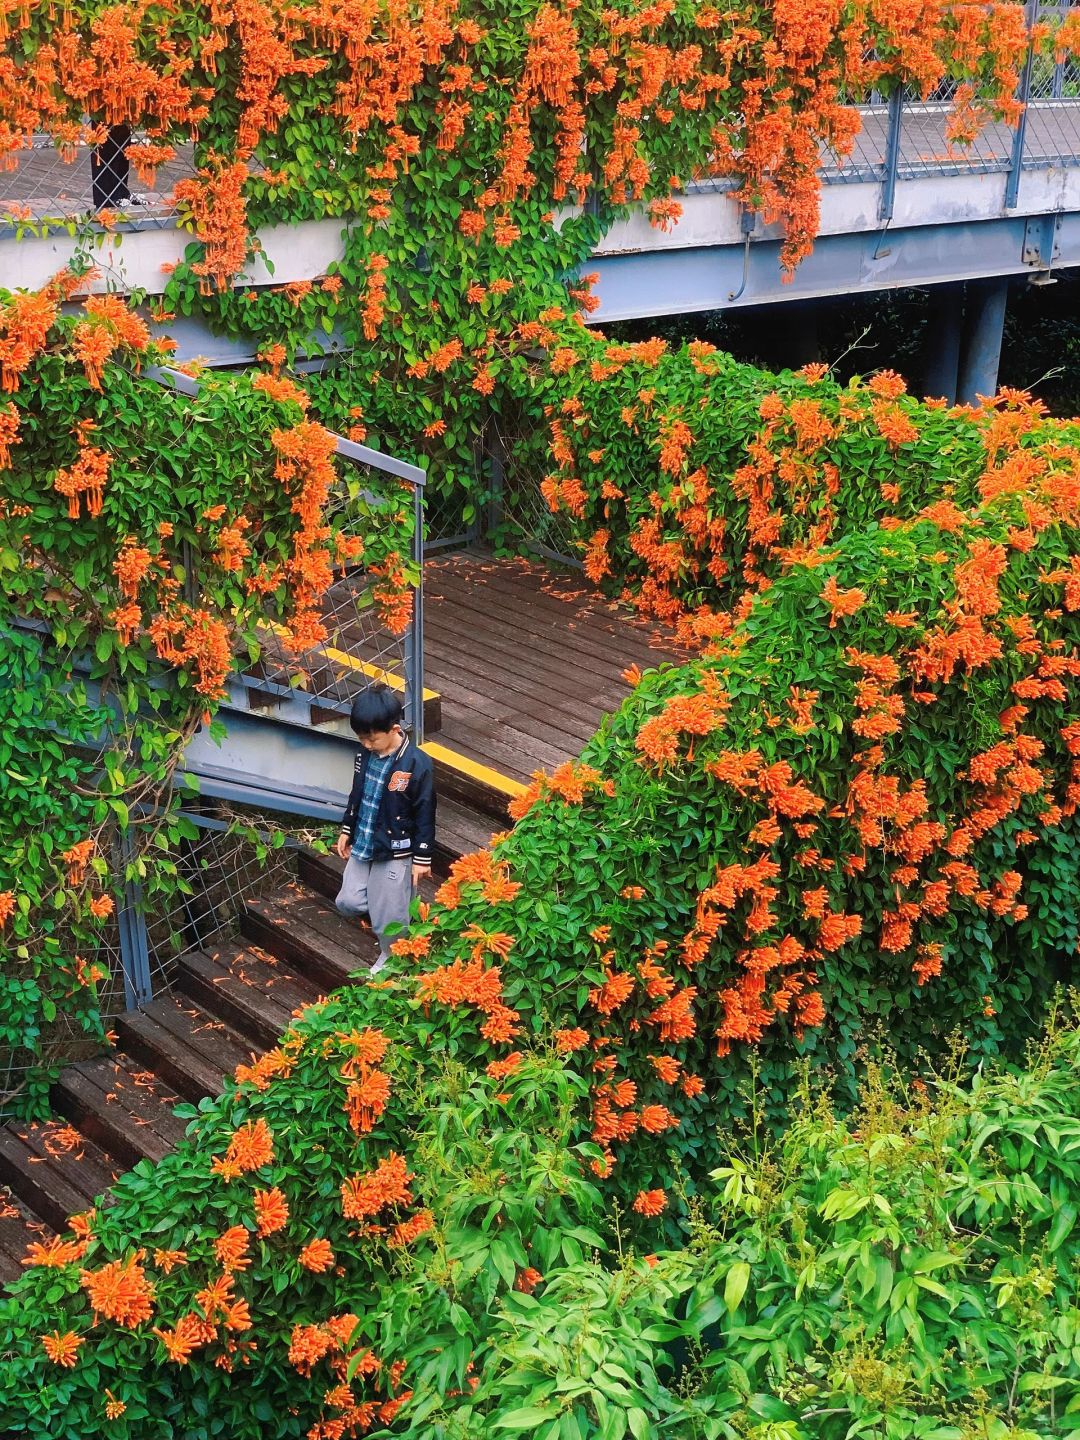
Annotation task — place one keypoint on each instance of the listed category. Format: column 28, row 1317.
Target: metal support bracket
column 1041, row 248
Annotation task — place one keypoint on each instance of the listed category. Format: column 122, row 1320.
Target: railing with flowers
column 120, row 177
column 372, row 611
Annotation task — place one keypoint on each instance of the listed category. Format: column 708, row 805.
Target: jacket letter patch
column 399, row 780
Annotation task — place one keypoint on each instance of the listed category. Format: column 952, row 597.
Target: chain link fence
column 233, row 856
column 521, row 458
column 117, row 171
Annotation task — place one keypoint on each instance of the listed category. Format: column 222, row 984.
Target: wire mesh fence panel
column 71, row 1035
column 1052, row 134
column 1054, row 76
column 454, row 508
column 359, row 647
column 867, row 158
column 236, row 856
column 926, row 147
column 524, row 458
column 1052, row 127
column 115, row 171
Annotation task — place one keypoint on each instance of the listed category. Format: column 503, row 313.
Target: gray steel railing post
column 414, row 650
column 496, row 453
column 1016, row 162
column 134, row 940
column 892, row 155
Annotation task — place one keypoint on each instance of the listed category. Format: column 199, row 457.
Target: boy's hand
column 418, row 873
column 343, row 847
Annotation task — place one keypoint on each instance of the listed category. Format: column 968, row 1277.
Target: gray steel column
column 942, row 365
column 986, row 302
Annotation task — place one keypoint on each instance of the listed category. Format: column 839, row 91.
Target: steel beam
column 273, row 765
column 676, row 282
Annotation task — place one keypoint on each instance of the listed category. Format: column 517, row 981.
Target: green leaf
column 738, row 1277
column 522, row 1419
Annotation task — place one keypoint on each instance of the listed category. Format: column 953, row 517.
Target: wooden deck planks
column 528, row 659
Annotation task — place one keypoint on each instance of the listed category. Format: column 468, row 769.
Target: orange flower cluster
column 317, row 1256
column 250, row 1148
column 271, row 1211
column 571, row 781
column 87, row 476
column 471, row 982
column 363, row 1196
column 62, row 1349
column 109, row 325
column 305, row 469
column 369, row 1087
column 120, row 1291
column 218, row 207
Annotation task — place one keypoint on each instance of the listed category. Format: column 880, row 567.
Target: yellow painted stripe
column 493, row 779
column 394, row 681
column 376, row 672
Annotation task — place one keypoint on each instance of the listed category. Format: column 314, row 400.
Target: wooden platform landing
column 527, row 658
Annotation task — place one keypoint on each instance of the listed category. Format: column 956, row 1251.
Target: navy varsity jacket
column 405, row 825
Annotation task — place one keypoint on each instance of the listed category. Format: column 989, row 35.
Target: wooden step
column 311, row 937
column 189, row 1047
column 471, row 784
column 459, row 831
column 252, row 994
column 121, row 1106
column 52, row 1186
column 18, row 1229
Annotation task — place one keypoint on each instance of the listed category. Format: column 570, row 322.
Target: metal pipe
column 415, row 653
column 892, row 155
column 1016, row 162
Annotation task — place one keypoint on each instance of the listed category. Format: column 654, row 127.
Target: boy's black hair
column 376, row 708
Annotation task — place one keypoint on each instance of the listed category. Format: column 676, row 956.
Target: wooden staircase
column 229, row 1002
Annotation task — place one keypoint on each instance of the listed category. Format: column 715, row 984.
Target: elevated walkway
column 905, row 208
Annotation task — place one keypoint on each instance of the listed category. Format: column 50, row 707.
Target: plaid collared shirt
column 378, row 771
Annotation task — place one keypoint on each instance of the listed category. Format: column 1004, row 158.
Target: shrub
column 688, row 477
column 908, row 1272
column 144, row 536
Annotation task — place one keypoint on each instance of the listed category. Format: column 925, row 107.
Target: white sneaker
column 380, row 964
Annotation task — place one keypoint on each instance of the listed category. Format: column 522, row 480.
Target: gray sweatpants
column 380, row 889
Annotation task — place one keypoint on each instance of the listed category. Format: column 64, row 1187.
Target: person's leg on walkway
column 389, row 894
column 352, row 898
